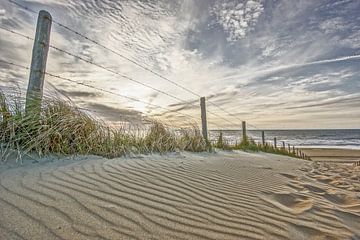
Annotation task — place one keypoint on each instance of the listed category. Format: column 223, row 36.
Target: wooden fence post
column 293, row 149
column 203, row 118
column 38, row 63
column 289, row 148
column 284, row 148
column 275, row 144
column 244, row 137
column 263, row 137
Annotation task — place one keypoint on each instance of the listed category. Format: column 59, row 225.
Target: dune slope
column 179, row 196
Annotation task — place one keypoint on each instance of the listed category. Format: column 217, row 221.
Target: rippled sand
column 180, row 196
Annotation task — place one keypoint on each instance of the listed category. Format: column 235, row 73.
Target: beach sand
column 225, row 195
column 332, row 154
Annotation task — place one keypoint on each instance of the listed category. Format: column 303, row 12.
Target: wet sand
column 332, row 154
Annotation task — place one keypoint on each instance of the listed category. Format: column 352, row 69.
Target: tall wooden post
column 275, row 144
column 38, row 63
column 244, row 137
column 283, row 146
column 263, row 137
column 203, row 118
column 289, row 148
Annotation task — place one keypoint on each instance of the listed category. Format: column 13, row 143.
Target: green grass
column 61, row 128
column 221, row 143
column 249, row 145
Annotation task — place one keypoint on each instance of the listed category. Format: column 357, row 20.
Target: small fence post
column 293, row 149
column 38, row 62
column 203, row 118
column 289, row 148
column 244, row 137
column 284, row 148
column 263, row 137
column 275, row 144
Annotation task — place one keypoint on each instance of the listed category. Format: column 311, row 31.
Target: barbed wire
column 117, row 73
column 109, row 92
column 133, row 80
column 128, row 119
column 189, row 124
column 137, row 64
column 17, row 33
column 100, row 89
column 106, row 91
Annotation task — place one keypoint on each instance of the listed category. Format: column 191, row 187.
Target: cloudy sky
column 274, row 63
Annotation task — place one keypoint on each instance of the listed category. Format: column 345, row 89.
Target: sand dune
column 180, row 196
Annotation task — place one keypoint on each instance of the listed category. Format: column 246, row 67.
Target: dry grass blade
column 64, row 129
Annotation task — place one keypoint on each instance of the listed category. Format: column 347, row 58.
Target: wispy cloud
column 270, row 62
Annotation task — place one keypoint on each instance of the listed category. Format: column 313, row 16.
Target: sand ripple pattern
column 214, row 196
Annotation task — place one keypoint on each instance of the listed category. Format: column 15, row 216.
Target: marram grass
column 250, row 145
column 63, row 129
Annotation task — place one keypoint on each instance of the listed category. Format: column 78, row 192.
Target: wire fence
column 117, row 53
column 166, row 110
column 234, row 120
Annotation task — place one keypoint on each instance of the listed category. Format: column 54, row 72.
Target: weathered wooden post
column 203, row 118
column 293, row 149
column 275, row 144
column 38, row 63
column 263, row 137
column 283, row 142
column 289, row 148
column 244, row 137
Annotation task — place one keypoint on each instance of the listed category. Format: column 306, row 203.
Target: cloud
column 333, row 25
column 113, row 114
column 257, row 59
column 80, row 94
column 238, row 17
column 339, row 101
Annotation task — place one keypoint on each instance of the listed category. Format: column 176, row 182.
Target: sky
column 278, row 64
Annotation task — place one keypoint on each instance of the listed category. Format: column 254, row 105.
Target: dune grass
column 251, row 146
column 61, row 128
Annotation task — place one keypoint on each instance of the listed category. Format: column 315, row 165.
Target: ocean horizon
column 321, row 138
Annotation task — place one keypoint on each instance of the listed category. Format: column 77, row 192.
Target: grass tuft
column 222, row 143
column 61, row 128
column 250, row 145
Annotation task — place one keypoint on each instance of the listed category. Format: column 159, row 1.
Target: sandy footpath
column 180, row 196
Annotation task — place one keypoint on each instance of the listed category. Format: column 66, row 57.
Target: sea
column 324, row 138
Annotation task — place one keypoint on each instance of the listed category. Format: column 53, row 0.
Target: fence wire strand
column 103, row 90
column 119, row 74
column 139, row 65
